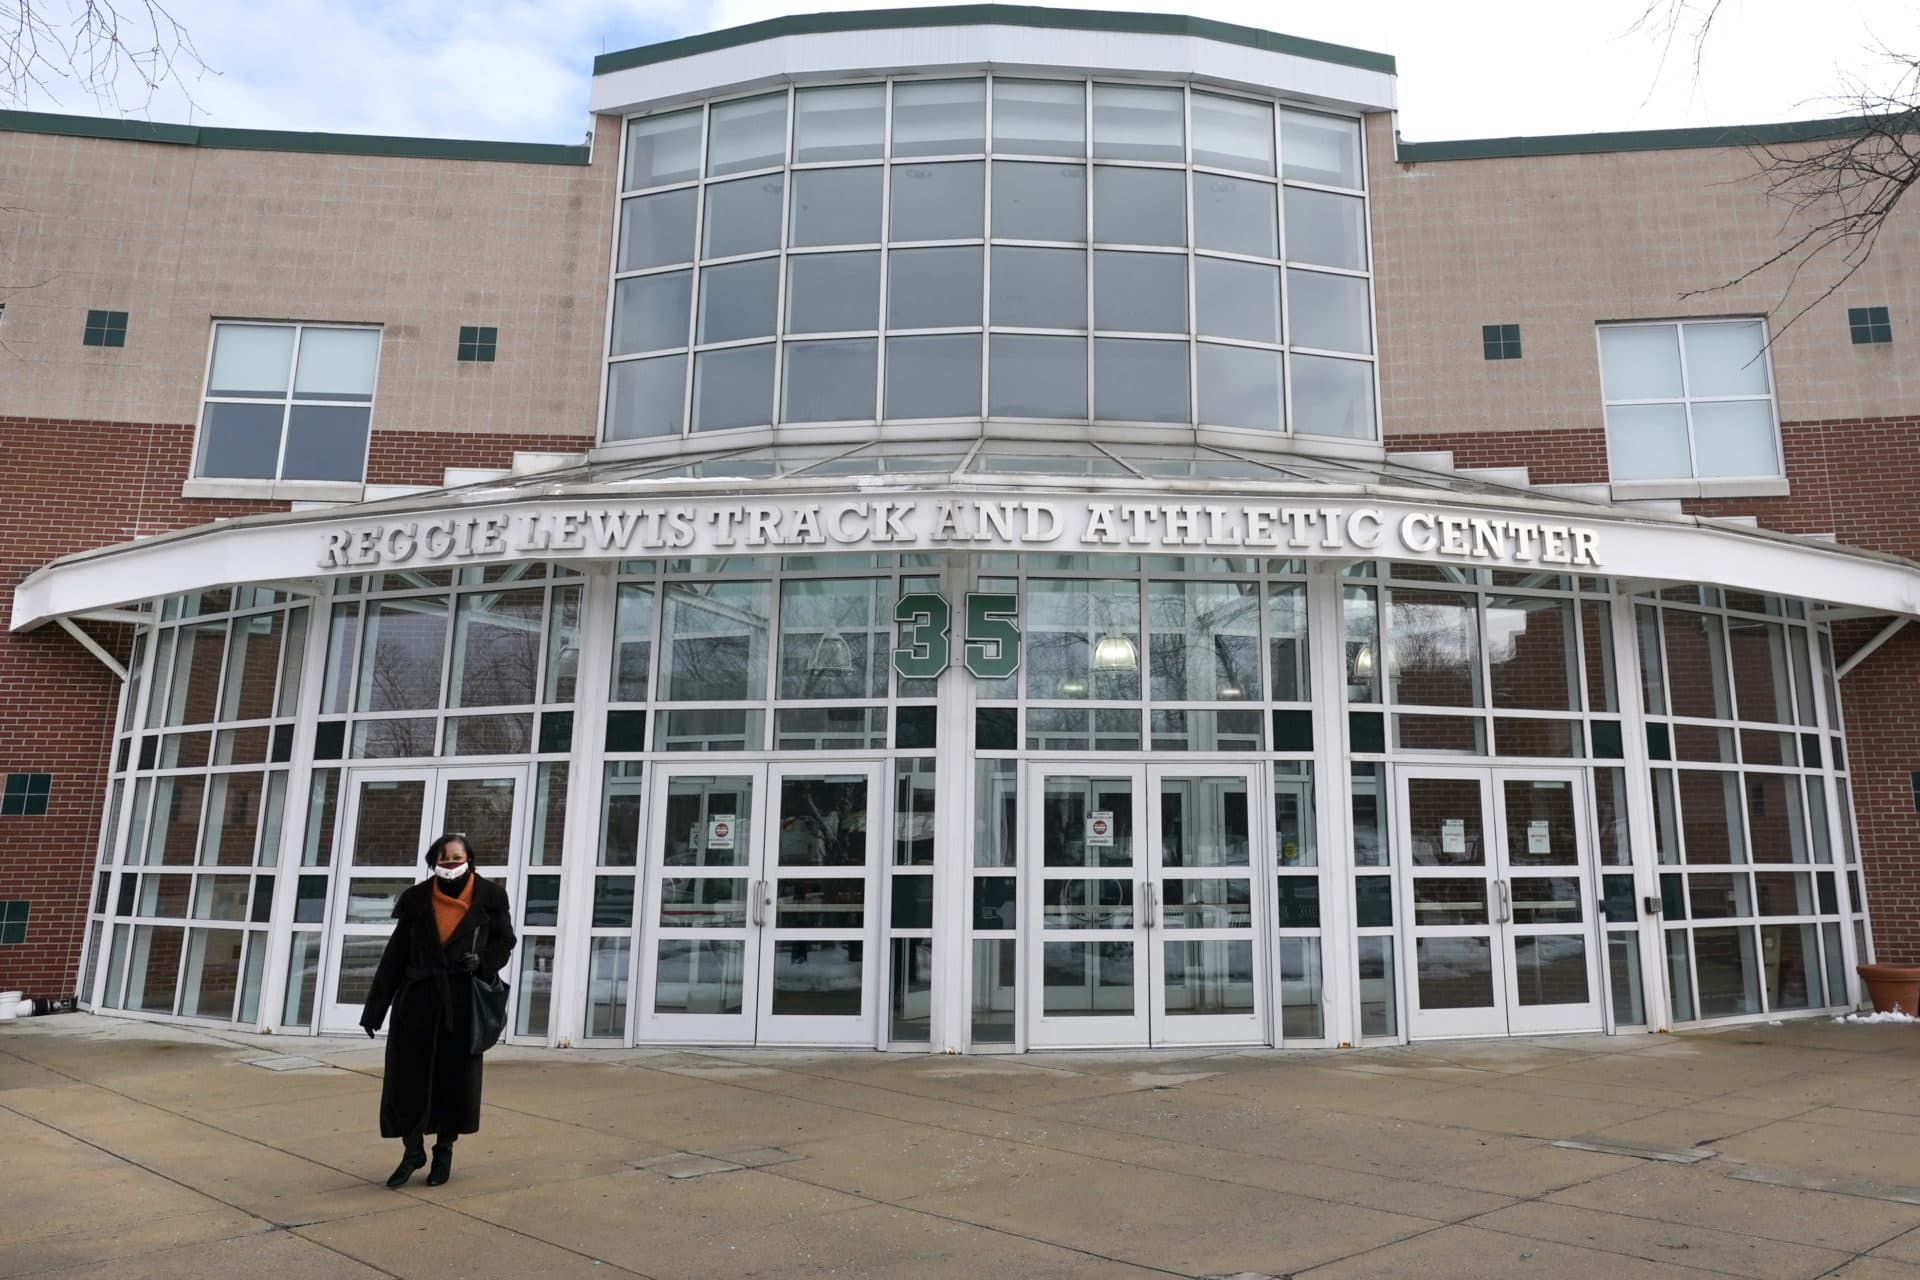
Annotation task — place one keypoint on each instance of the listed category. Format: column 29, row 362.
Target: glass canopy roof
column 929, row 462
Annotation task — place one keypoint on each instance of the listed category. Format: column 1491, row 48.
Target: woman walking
column 446, row 929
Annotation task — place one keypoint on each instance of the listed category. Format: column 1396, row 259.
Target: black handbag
column 489, row 1018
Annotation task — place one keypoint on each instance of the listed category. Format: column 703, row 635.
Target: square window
column 105, row 329
column 1869, row 325
column 1688, row 400
column 293, row 401
column 477, row 343
column 1500, row 341
column 25, row 794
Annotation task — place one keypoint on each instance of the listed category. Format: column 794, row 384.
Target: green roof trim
column 1578, row 144
column 337, row 144
column 980, row 15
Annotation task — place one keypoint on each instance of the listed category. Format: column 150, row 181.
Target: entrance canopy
column 976, row 496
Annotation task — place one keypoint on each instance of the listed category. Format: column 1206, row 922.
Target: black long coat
column 432, row 1083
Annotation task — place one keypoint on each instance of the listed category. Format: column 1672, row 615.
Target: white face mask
column 451, row 873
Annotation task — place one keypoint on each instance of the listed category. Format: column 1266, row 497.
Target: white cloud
column 519, row 69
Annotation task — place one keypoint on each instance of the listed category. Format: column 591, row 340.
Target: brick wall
column 71, row 486
column 1858, row 479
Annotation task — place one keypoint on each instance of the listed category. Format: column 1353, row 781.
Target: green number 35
column 926, row 625
column 925, row 620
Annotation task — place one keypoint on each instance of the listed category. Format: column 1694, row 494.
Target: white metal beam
column 93, row 647
column 1860, row 655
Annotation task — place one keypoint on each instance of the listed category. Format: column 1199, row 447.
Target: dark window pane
column 326, row 442
column 240, row 441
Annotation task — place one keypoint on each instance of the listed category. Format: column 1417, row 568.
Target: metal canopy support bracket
column 93, row 647
column 1861, row 654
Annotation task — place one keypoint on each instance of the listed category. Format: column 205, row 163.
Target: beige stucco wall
column 177, row 236
column 1558, row 243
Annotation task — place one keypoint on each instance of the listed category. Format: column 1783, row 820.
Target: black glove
column 469, row 962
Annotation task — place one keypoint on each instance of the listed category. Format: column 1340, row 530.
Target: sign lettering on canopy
column 560, row 530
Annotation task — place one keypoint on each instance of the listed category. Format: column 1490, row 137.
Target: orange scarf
column 449, row 911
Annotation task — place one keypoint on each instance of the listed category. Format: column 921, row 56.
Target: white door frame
column 1495, row 872
column 1145, row 880
column 330, row 1015
column 756, row 924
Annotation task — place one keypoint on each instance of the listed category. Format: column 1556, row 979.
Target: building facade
column 970, row 529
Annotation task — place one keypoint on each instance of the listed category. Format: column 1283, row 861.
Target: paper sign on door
column 1453, row 835
column 1100, row 828
column 720, row 832
column 1538, row 838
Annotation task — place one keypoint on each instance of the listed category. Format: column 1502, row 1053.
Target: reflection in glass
column 833, row 293
column 1074, row 810
column 694, row 976
column 1204, row 641
column 716, row 640
column 1322, row 149
column 1040, row 289
column 1433, row 649
column 1140, row 292
column 938, row 201
column 836, row 206
column 496, row 647
column 400, row 655
column 1138, row 122
column 1087, row 979
column 1139, row 206
column 1214, row 977
column 1037, row 377
column 839, row 122
column 823, row 823
column 1034, row 201
column 1237, row 299
column 708, row 902
column 1332, row 397
column 1065, row 622
column 933, row 288
column 1549, row 969
column 1140, row 380
column 657, row 230
column 933, row 376
column 1039, row 117
column 817, row 979
column 831, row 381
column 939, row 117
column 1325, row 229
column 747, row 133
column 663, row 149
column 1455, row 973
column 742, row 216
column 1240, row 387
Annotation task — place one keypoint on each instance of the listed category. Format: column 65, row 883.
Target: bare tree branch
column 102, row 46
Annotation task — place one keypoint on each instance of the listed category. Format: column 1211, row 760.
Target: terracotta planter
column 1892, row 986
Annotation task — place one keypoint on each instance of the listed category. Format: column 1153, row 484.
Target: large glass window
column 289, row 402
column 862, row 211
column 1689, row 400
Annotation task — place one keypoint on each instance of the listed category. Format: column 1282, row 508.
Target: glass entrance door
column 1498, row 881
column 1142, row 928
column 762, row 905
column 390, row 818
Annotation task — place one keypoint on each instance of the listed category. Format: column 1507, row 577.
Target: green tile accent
column 1673, row 895
column 1300, row 902
column 309, row 902
column 613, row 902
column 912, row 902
column 1659, row 742
column 1373, row 902
column 980, row 15
column 477, row 343
column 1617, row 899
column 341, row 144
column 916, row 728
column 1810, row 751
column 626, row 731
column 105, row 329
column 1829, row 893
column 25, row 795
column 1869, row 325
column 1606, row 740
column 1574, row 144
column 996, row 729
column 1366, row 731
column 1500, row 341
column 556, row 731
column 329, row 740
column 1293, row 731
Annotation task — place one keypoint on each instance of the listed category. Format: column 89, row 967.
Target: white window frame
column 198, row 486
column 1693, row 485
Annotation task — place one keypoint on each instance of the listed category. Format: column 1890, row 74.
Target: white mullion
column 777, row 411
column 586, row 774
column 286, row 410
column 1192, row 291
column 1086, row 161
column 986, row 255
column 885, row 252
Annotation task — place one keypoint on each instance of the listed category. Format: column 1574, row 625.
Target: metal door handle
column 1506, row 903
column 1149, row 904
column 758, row 905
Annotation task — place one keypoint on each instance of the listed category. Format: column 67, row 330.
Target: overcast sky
column 519, row 69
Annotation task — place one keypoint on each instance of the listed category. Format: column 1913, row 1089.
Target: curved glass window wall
column 1018, row 249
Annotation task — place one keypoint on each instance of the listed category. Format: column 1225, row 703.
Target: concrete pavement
column 1793, row 1150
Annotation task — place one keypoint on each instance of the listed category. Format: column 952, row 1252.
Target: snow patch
column 1866, row 1018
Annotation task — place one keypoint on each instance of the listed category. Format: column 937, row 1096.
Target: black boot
column 442, row 1164
column 415, row 1158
